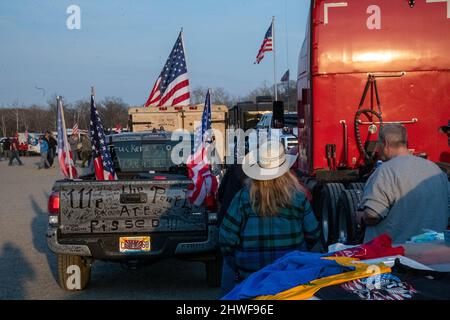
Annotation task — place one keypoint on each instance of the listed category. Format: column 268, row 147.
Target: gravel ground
column 28, row 268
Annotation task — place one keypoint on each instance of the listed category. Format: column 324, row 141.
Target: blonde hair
column 268, row 196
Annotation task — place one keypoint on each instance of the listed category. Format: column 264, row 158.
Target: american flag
column 103, row 165
column 75, row 129
column 65, row 157
column 285, row 77
column 172, row 86
column 267, row 44
column 205, row 184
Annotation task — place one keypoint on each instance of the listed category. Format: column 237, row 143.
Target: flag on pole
column 65, row 157
column 267, row 44
column 172, row 86
column 205, row 183
column 285, row 77
column 75, row 129
column 103, row 165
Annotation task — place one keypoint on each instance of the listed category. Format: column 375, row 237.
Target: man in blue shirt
column 43, row 145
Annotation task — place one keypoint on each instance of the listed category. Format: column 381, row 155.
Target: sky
column 121, row 46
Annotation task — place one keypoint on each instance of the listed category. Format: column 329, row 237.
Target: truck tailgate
column 127, row 207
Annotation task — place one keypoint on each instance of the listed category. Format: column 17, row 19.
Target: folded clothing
column 376, row 248
column 293, row 269
column 402, row 283
column 307, row 291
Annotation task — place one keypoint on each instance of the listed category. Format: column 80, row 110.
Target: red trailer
column 364, row 63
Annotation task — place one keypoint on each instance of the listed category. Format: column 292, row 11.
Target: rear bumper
column 105, row 247
column 56, row 247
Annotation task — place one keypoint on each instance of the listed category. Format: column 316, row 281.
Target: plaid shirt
column 250, row 242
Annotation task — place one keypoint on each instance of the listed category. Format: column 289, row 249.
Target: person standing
column 7, row 148
column 1, row 151
column 15, row 152
column 52, row 144
column 86, row 150
column 266, row 219
column 43, row 145
column 73, row 142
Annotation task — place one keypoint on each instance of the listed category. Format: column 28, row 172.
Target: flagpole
column 274, row 60
column 185, row 57
column 287, row 91
column 64, row 130
column 287, row 54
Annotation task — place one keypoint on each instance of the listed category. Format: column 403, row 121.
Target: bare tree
column 218, row 96
column 113, row 111
column 3, row 124
column 264, row 90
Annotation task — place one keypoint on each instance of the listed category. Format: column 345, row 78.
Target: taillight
column 160, row 177
column 53, row 203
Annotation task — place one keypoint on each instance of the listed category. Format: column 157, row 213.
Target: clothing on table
column 376, row 248
column 402, row 283
column 251, row 242
column 309, row 290
column 293, row 269
column 409, row 194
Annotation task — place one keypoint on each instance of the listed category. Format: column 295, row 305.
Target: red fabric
column 377, row 248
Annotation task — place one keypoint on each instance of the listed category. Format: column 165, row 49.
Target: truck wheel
column 328, row 211
column 349, row 233
column 74, row 272
column 356, row 186
column 214, row 272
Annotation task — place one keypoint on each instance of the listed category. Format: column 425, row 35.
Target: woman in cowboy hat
column 267, row 218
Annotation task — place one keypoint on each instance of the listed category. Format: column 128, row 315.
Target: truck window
column 144, row 156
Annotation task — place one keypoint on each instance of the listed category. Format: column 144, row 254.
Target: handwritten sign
column 98, row 209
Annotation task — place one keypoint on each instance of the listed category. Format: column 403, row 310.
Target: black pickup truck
column 142, row 217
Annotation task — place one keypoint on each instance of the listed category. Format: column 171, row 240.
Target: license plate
column 134, row 244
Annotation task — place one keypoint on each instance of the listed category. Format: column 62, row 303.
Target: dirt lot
column 27, row 267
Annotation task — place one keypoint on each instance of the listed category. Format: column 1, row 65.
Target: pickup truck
column 142, row 217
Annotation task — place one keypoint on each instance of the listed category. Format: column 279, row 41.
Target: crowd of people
column 81, row 150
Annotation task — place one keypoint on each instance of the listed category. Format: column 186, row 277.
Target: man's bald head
column 394, row 134
column 393, row 141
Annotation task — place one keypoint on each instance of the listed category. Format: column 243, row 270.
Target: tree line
column 113, row 110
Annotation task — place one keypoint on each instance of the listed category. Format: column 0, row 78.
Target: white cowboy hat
column 268, row 162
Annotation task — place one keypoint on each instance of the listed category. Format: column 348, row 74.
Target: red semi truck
column 365, row 63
